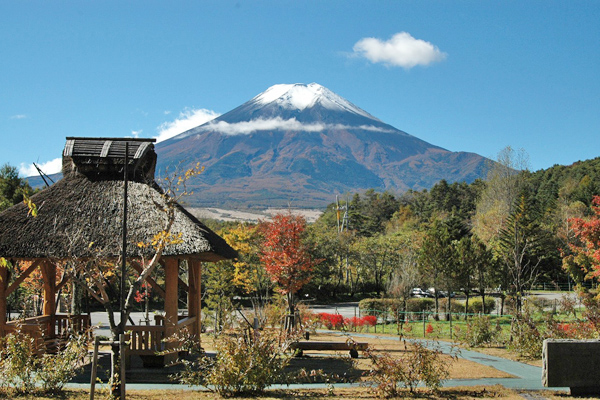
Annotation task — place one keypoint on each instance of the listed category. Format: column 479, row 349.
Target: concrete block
column 572, row 363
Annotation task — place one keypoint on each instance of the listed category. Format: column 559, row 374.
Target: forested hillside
column 506, row 233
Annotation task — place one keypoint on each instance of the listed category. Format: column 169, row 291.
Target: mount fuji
column 300, row 145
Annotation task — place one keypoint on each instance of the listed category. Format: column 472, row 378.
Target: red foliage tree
column 584, row 260
column 286, row 258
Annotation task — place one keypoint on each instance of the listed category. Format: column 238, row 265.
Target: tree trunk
column 291, row 319
column 483, row 300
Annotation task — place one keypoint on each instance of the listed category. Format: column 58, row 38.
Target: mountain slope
column 302, row 145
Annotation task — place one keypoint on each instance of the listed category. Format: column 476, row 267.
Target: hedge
column 378, row 307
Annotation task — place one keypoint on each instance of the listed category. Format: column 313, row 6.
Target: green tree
column 12, row 187
column 475, row 263
column 521, row 246
column 437, row 257
column 219, row 289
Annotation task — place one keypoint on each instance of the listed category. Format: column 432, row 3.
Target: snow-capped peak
column 300, row 96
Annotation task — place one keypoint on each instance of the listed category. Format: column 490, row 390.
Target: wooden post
column 171, row 302
column 3, row 286
column 123, row 357
column 94, row 367
column 194, row 297
column 49, row 277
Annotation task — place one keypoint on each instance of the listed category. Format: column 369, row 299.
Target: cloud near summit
column 278, row 123
column 401, row 50
column 188, row 119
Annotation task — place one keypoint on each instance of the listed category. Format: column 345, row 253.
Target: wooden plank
column 324, row 346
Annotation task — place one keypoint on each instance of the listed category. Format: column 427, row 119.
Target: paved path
column 527, row 377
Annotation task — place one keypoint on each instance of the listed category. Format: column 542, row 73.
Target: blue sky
column 465, row 75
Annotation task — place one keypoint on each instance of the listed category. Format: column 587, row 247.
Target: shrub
column 243, row 365
column 526, row 339
column 420, row 304
column 18, row 362
column 480, row 331
column 377, row 307
column 415, row 366
column 381, row 307
column 23, row 369
column 475, row 305
column 57, row 370
column 332, row 321
column 370, row 320
column 429, row 328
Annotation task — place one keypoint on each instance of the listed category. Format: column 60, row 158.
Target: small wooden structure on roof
column 80, row 219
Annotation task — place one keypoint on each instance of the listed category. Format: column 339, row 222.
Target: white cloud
column 187, row 120
column 49, row 168
column 18, row 116
column 247, row 127
column 402, row 50
column 136, row 134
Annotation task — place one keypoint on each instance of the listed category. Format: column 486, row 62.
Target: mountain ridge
column 303, row 144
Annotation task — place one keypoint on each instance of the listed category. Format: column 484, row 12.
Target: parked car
column 440, row 293
column 418, row 292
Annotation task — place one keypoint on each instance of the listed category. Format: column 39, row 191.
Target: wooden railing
column 150, row 339
column 46, row 328
column 65, row 324
column 146, row 339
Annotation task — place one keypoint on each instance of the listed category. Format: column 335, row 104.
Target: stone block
column 572, row 363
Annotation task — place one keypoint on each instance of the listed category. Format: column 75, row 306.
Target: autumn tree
column 582, row 258
column 286, row 258
column 249, row 274
column 504, row 182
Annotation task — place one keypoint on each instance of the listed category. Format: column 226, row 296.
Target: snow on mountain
column 300, row 96
column 292, row 107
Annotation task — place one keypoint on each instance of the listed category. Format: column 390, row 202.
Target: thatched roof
column 81, row 216
column 104, row 158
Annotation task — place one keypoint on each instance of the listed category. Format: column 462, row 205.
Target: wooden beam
column 155, row 286
column 184, row 285
column 49, row 276
column 13, row 286
column 63, row 281
column 3, row 296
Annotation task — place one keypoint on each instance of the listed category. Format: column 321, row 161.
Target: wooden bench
column 353, row 347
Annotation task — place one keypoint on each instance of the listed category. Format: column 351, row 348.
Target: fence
column 561, row 286
column 412, row 324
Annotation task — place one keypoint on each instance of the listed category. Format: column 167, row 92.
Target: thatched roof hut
column 81, row 215
column 81, row 218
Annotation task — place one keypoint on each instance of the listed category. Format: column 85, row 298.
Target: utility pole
column 342, row 223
